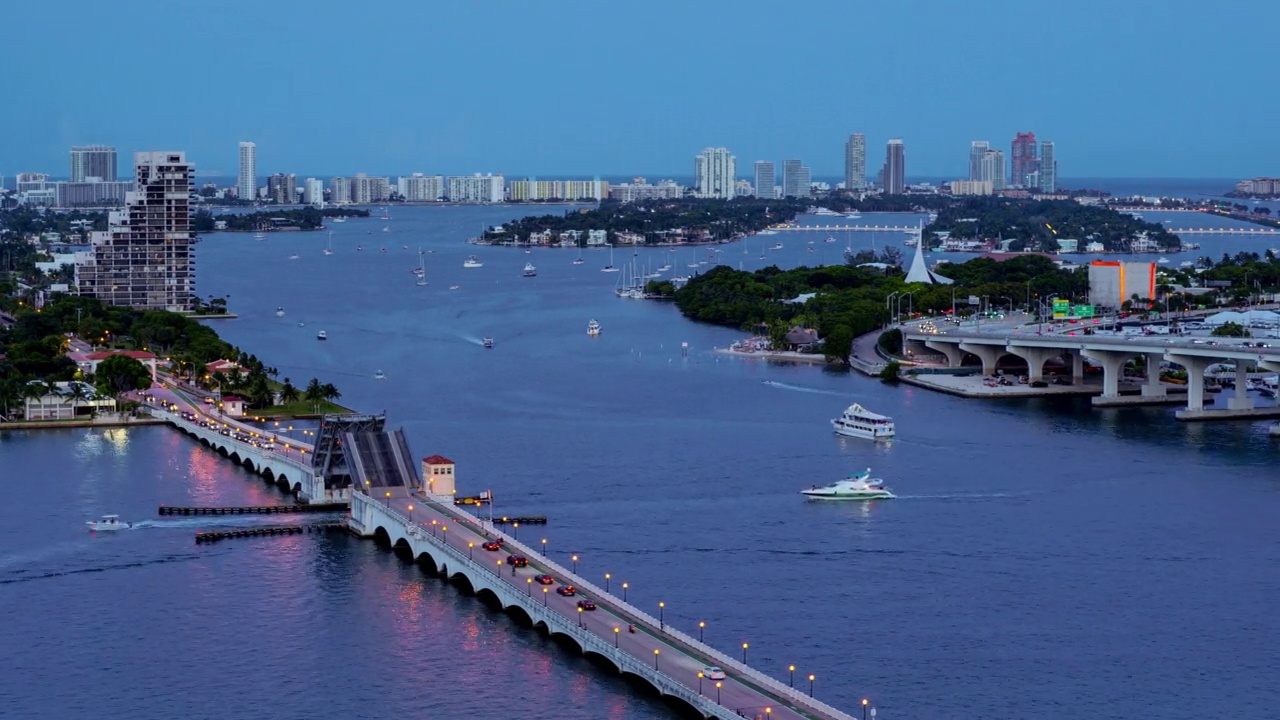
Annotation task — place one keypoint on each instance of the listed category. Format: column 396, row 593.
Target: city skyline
column 1118, row 108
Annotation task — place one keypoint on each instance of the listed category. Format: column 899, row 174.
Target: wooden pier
column 266, row 531
column 252, row 509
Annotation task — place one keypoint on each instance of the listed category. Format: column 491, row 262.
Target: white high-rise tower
column 247, row 184
column 714, row 173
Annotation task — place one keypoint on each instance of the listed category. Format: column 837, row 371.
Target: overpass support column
column 1112, row 363
column 952, row 350
column 1195, row 367
column 1241, row 401
column 1152, row 387
column 1036, row 358
column 989, row 354
column 1077, row 367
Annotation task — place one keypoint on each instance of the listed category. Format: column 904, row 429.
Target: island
column 1046, row 226
column 304, row 218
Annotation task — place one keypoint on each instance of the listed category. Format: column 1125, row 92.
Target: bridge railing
column 676, row 637
column 195, row 428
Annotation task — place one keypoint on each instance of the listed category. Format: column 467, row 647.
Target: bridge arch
column 520, row 615
column 268, row 473
column 602, row 659
column 381, row 537
column 402, row 549
column 489, row 597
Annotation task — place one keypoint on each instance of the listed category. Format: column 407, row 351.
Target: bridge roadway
column 432, row 528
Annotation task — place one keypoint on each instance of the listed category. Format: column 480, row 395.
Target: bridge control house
column 438, row 476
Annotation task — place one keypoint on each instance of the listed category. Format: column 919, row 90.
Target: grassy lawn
column 301, row 407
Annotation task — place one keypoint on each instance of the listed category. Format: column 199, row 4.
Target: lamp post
column 662, row 621
column 864, row 709
column 544, row 547
column 575, row 564
column 702, row 625
column 700, row 676
column 606, row 581
column 471, row 550
column 411, row 514
column 744, row 653
column 791, row 676
column 655, row 658
column 718, row 692
column 529, row 581
column 888, row 303
column 515, row 527
column 811, row 686
column 580, row 617
column 544, row 597
column 388, row 499
column 434, row 523
column 615, row 637
column 624, row 591
column 513, row 567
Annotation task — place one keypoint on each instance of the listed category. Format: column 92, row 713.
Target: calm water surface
column 1043, row 560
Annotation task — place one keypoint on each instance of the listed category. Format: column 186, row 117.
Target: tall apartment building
column 143, row 260
column 797, row 180
column 977, row 150
column 93, row 161
column 894, row 176
column 247, row 181
column 366, row 190
column 986, row 165
column 641, row 189
column 339, row 190
column 420, row 188
column 766, row 179
column 714, row 172
column 1022, row 158
column 312, row 191
column 91, row 194
column 534, row 189
column 855, row 162
column 1048, row 168
column 282, row 189
column 477, row 188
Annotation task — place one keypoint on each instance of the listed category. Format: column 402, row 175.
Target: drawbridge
column 357, row 452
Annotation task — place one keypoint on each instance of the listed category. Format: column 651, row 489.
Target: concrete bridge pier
column 1036, row 358
column 1241, row 401
column 1077, row 367
column 1152, row 387
column 1195, row 367
column 1112, row 363
column 952, row 352
column 988, row 354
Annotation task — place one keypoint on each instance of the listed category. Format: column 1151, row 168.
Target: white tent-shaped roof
column 919, row 271
column 1246, row 318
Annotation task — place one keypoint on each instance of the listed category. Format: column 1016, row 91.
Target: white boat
column 829, row 239
column 777, row 246
column 1163, row 261
column 259, row 236
column 860, row 422
column 379, row 375
column 472, row 262
column 386, row 228
column 609, row 267
column 322, row 335
column 529, row 270
column 328, row 249
column 767, row 232
column 295, row 256
column 488, row 342
column 279, row 312
column 338, row 219
column 453, row 287
column 593, row 328
column 1186, row 264
column 853, row 215
column 858, row 486
column 108, row 522
column 421, row 270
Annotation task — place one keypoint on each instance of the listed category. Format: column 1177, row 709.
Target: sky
column 1128, row 88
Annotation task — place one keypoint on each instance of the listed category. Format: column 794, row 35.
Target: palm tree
column 77, row 393
column 315, row 391
column 288, row 393
column 329, row 393
column 33, row 390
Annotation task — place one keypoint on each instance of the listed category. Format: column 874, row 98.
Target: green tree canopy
column 119, row 374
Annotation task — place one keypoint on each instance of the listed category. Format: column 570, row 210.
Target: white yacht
column 858, row 486
column 578, row 261
column 259, row 236
column 279, row 312
column 379, row 375
column 322, row 335
column 472, row 262
column 860, row 422
column 593, row 328
column 529, row 270
column 488, row 342
column 108, row 522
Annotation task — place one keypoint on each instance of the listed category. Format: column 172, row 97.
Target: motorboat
column 529, row 270
column 860, row 422
column 453, row 287
column 593, row 328
column 108, row 522
column 338, row 219
column 295, row 256
column 578, row 261
column 279, row 312
column 472, row 262
column 777, row 246
column 386, row 228
column 379, row 375
column 488, row 342
column 609, row 268
column 829, row 239
column 858, row 486
column 382, row 250
column 259, row 236
column 322, row 335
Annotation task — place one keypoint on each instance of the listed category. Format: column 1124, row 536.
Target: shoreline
column 786, row 356
column 105, row 422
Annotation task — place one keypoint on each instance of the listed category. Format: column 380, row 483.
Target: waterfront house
column 802, row 339
column 66, row 401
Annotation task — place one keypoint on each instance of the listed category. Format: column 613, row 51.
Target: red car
column 492, row 546
column 586, row 604
column 517, row 560
column 545, row 580
column 567, row 590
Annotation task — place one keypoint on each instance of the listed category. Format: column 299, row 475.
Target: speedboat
column 108, row 522
column 529, row 270
column 593, row 328
column 379, row 375
column 453, row 287
column 472, row 262
column 777, row 246
column 259, row 236
column 322, row 335
column 279, row 312
column 578, row 261
column 858, row 486
column 488, row 342
column 860, row 422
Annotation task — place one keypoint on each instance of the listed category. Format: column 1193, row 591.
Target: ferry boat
column 488, row 342
column 858, row 486
column 529, row 270
column 108, row 522
column 322, row 335
column 593, row 328
column 472, row 262
column 860, row 422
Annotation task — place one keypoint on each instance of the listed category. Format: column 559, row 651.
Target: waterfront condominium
column 1023, row 158
column 797, row 180
column 977, row 150
column 766, row 179
column 476, row 188
column 894, row 176
column 855, row 162
column 986, row 165
column 93, row 163
column 1048, row 168
column 143, row 259
column 420, row 188
column 313, row 191
column 714, row 173
column 247, row 182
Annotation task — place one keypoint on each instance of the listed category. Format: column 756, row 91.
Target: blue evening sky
column 1126, row 88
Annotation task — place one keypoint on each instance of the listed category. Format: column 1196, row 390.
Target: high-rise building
column 247, row 182
column 420, row 188
column 796, row 179
column 93, row 161
column 312, row 191
column 143, row 260
column 477, row 188
column 366, row 189
column 855, row 162
column 894, row 176
column 339, row 190
column 640, row 189
column 977, row 151
column 987, row 166
column 714, row 172
column 282, row 189
column 533, row 189
column 1048, row 168
column 766, row 179
column 1023, row 158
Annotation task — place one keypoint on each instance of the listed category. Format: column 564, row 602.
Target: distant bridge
column 1226, row 231
column 790, row 227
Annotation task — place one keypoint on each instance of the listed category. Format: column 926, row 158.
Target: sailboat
column 609, row 267
column 578, row 260
column 328, row 249
column 422, row 268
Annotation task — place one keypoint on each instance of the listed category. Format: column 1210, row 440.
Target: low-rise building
column 67, row 401
column 640, row 189
column 438, row 475
column 89, row 362
column 971, row 187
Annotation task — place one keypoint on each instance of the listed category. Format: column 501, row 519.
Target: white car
column 713, row 673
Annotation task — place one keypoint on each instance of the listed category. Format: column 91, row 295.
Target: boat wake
column 799, row 388
column 19, row 577
column 964, row 496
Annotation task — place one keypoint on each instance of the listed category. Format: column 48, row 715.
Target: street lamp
column 580, row 620
column 655, row 658
column 544, row 547
column 530, row 582
column 791, row 676
column 471, row 550
column 433, row 528
column 662, row 623
column 744, row 653
column 615, row 637
column 888, row 303
column 864, row 709
column 411, row 515
column 606, row 581
column 718, row 692
column 575, row 564
column 811, row 686
column 515, row 526
column 544, row 597
column 702, row 625
column 624, row 591
column 700, row 676
column 388, row 499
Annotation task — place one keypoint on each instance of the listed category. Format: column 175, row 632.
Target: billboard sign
column 1061, row 308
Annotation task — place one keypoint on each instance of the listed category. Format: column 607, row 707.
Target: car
column 544, row 580
column 517, row 560
column 1039, row 384
column 567, row 590
column 208, row 401
column 711, row 672
column 492, row 546
column 586, row 604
